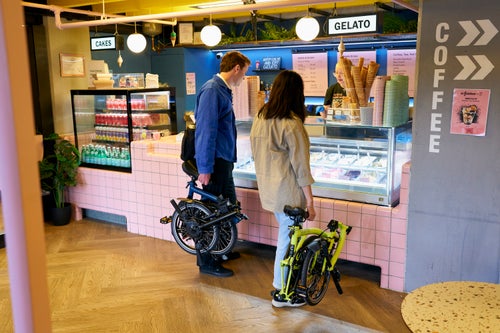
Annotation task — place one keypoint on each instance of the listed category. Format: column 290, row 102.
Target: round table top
column 455, row 306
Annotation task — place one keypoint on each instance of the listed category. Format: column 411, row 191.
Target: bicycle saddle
column 295, row 211
column 190, row 168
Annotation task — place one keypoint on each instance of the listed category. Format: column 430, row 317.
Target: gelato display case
column 106, row 121
column 348, row 161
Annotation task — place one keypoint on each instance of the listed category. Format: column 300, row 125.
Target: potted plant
column 58, row 170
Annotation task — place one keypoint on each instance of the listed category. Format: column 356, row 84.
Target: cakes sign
column 103, row 43
column 352, row 24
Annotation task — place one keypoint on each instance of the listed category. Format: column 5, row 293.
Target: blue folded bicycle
column 206, row 224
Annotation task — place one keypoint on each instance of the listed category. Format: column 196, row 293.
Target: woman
column 280, row 148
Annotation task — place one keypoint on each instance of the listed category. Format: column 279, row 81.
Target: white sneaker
column 293, row 303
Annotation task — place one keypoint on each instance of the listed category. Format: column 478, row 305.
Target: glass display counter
column 106, row 121
column 349, row 162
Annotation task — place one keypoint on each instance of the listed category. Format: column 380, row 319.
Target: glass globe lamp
column 307, row 28
column 136, row 42
column 210, row 35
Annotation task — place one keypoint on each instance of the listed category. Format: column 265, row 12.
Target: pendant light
column 307, row 28
column 120, row 59
column 136, row 42
column 173, row 37
column 119, row 46
column 210, row 34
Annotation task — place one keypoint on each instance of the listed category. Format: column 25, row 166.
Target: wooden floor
column 104, row 279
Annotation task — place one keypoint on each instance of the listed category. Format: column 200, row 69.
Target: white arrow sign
column 489, row 32
column 485, row 67
column 471, row 32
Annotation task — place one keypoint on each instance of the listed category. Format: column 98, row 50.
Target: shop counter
column 143, row 196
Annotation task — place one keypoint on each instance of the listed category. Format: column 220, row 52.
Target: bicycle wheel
column 185, row 232
column 228, row 235
column 315, row 276
column 295, row 272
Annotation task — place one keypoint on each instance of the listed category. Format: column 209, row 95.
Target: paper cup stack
column 378, row 105
column 396, row 110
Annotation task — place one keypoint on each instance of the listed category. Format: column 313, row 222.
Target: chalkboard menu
column 271, row 63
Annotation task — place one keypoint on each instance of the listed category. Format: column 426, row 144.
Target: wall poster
column 470, row 111
column 190, row 83
column 313, row 67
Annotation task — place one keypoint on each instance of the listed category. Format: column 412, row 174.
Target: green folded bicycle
column 310, row 261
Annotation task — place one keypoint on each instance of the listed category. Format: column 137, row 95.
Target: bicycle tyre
column 197, row 212
column 228, row 235
column 296, row 270
column 313, row 279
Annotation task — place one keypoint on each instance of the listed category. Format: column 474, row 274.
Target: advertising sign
column 103, row 43
column 352, row 25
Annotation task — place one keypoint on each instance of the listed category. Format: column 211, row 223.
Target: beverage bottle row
column 121, row 104
column 113, row 134
column 106, row 155
column 121, row 119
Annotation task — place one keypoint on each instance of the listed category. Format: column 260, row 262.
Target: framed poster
column 72, row 65
column 186, row 33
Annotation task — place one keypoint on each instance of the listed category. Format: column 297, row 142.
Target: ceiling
column 185, row 10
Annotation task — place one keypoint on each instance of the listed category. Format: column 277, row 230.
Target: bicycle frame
column 298, row 239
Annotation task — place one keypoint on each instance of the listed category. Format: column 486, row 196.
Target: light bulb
column 136, row 42
column 210, row 35
column 307, row 28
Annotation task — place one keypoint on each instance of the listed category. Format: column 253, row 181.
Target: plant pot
column 61, row 216
column 47, row 204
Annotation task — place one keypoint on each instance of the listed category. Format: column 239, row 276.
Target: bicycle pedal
column 165, row 220
column 301, row 291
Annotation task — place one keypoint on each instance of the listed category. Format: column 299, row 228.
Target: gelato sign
column 352, row 24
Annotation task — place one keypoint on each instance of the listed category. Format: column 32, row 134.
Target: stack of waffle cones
column 358, row 80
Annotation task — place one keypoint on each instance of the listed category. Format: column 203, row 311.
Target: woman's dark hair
column 231, row 59
column 286, row 98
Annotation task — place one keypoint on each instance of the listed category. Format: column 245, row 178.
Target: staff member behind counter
column 335, row 90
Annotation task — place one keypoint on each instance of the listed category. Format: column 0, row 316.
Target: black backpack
column 187, row 146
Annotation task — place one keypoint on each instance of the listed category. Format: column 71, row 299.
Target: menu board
column 355, row 55
column 313, row 67
column 402, row 62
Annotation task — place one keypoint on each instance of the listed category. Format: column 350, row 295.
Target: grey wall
column 454, row 210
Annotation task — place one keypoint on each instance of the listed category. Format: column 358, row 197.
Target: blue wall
column 172, row 64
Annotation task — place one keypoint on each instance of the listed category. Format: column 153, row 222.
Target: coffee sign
column 352, row 24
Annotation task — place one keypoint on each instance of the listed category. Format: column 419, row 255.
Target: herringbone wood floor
column 104, row 279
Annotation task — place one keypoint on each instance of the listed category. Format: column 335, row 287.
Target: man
column 335, row 90
column 215, row 138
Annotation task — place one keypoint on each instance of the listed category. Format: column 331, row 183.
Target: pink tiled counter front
column 143, row 197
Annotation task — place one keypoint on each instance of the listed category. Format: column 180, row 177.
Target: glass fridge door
column 102, row 129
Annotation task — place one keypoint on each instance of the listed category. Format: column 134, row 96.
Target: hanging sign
column 352, row 24
column 103, row 43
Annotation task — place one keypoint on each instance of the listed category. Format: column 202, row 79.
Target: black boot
column 209, row 265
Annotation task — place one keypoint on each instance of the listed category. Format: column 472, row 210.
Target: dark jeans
column 221, row 180
column 221, row 183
